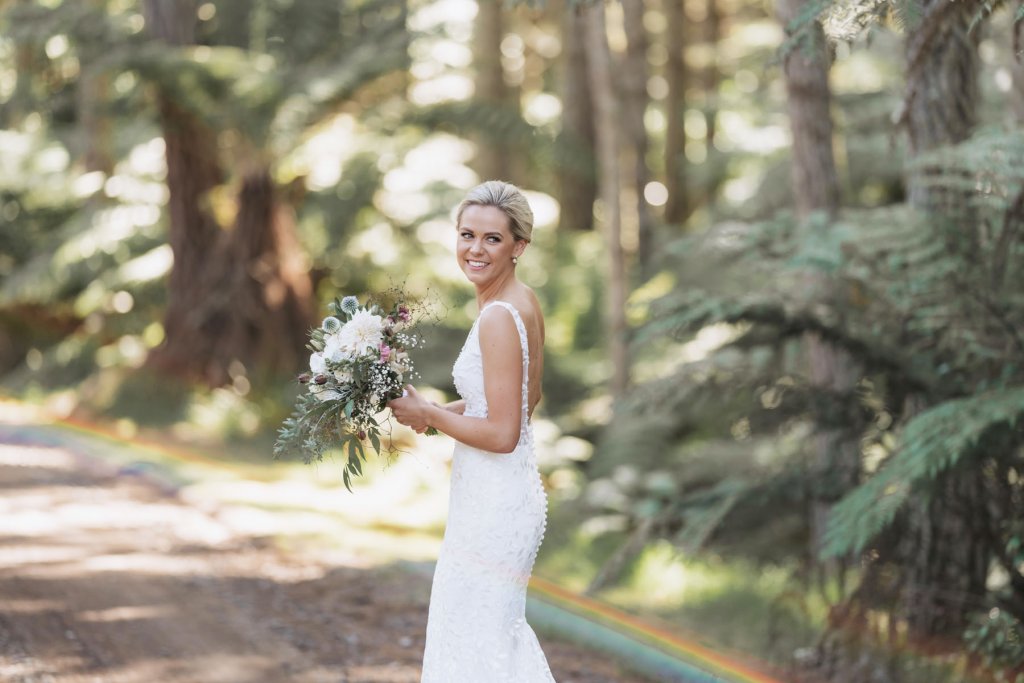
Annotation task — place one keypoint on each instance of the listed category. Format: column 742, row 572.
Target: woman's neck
column 495, row 291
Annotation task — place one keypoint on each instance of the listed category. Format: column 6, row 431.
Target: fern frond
column 932, row 443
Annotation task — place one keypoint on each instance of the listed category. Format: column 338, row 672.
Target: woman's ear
column 519, row 248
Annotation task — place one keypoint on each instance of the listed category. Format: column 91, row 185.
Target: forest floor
column 112, row 577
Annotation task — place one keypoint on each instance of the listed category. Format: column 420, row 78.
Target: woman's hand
column 411, row 409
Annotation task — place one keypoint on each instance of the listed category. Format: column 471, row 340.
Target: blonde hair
column 506, row 197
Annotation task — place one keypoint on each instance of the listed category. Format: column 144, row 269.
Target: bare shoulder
column 497, row 321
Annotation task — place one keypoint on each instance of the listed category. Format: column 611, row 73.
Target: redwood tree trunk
column 607, row 125
column 677, row 209
column 238, row 296
column 710, row 77
column 576, row 167
column 808, row 99
column 634, row 99
column 944, row 551
column 92, row 96
column 259, row 301
column 192, row 171
column 1017, row 91
column 495, row 156
column 832, row 373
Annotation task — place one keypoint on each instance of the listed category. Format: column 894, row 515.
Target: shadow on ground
column 108, row 576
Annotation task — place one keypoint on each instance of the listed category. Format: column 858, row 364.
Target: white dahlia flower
column 362, row 334
column 317, row 363
column 334, row 350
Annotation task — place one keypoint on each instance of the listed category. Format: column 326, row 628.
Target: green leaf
column 934, row 441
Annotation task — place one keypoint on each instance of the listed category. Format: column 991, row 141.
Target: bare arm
column 503, row 381
column 458, row 407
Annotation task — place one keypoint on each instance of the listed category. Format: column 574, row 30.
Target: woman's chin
column 477, row 276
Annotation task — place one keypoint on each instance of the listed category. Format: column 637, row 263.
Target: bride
column 476, row 628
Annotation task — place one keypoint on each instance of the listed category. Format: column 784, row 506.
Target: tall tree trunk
column 808, row 99
column 831, row 371
column 710, row 77
column 92, row 95
column 1017, row 90
column 259, row 310
column 192, row 171
column 576, row 168
column 947, row 557
column 29, row 58
column 607, row 125
column 495, row 156
column 677, row 209
column 943, row 550
column 239, row 296
column 941, row 97
column 634, row 99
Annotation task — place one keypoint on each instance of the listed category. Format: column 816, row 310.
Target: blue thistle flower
column 350, row 305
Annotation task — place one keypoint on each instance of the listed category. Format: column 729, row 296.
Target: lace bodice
column 497, row 511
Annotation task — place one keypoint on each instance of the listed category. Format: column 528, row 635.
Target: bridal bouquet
column 359, row 363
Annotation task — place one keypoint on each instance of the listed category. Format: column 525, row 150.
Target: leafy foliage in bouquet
column 360, row 361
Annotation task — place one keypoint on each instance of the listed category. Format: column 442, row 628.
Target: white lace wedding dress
column 477, row 630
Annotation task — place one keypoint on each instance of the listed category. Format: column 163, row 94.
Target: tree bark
column 259, row 302
column 29, row 59
column 238, row 296
column 634, row 99
column 607, row 126
column 941, row 96
column 92, row 93
column 495, row 154
column 576, row 168
column 710, row 77
column 832, row 373
column 808, row 99
column 944, row 553
column 192, row 171
column 1017, row 91
column 677, row 209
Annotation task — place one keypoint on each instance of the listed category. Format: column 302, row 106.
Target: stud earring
column 515, row 259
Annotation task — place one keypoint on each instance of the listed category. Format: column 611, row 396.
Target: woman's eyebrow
column 465, row 227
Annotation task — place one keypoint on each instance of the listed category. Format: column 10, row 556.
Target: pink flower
column 385, row 352
column 404, row 314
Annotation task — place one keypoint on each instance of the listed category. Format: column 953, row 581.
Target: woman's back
column 528, row 306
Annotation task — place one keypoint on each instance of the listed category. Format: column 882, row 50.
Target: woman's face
column 485, row 245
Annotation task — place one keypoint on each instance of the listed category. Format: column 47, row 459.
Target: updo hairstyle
column 506, row 197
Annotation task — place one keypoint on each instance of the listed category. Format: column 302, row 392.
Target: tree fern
column 933, row 442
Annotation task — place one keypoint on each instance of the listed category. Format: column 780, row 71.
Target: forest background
column 778, row 247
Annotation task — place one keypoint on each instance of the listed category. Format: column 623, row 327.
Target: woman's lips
column 476, row 265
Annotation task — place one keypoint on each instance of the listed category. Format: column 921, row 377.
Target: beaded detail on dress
column 497, row 514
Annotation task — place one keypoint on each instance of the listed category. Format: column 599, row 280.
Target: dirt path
column 107, row 577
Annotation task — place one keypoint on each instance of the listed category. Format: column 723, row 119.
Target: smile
column 476, row 265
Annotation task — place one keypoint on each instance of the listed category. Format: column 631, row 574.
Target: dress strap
column 523, row 339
